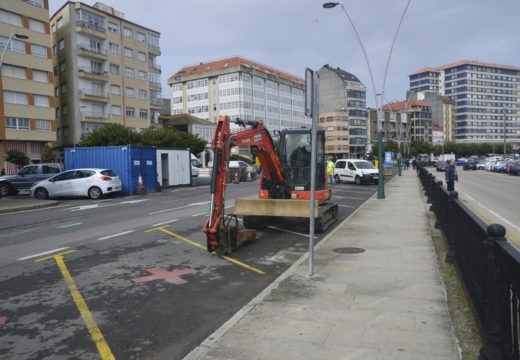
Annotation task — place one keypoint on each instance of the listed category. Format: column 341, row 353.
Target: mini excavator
column 285, row 183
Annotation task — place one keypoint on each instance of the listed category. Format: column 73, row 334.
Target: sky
column 292, row 35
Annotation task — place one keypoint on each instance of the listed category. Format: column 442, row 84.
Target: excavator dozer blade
column 275, row 207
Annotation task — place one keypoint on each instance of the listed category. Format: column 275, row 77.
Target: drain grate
column 349, row 250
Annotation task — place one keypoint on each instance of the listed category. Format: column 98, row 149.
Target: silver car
column 93, row 183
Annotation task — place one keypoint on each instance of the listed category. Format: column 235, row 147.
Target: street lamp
column 19, row 36
column 505, row 131
column 380, row 183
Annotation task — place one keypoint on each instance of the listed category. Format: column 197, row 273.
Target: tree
column 48, row 154
column 170, row 137
column 16, row 157
column 112, row 135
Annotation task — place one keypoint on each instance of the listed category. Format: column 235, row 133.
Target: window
column 13, row 71
column 37, row 25
column 129, row 52
column 116, row 110
column 114, row 69
column 114, row 48
column 38, row 3
column 37, row 50
column 142, row 75
column 130, row 92
column 17, row 123
column 63, row 66
column 63, row 88
column 11, row 97
column 41, row 100
column 43, row 125
column 128, row 32
column 40, row 76
column 61, row 44
column 53, row 28
column 59, row 22
column 10, row 18
column 115, row 89
column 140, row 37
column 113, row 27
column 141, row 56
column 14, row 45
column 129, row 72
column 130, row 111
column 54, row 49
column 143, row 113
column 143, row 94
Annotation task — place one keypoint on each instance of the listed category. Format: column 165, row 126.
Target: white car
column 93, row 183
column 355, row 170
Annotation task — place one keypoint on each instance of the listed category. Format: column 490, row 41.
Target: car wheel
column 5, row 190
column 336, row 179
column 94, row 193
column 41, row 194
column 358, row 180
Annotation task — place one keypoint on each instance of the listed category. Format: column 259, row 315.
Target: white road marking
column 42, row 253
column 165, row 222
column 346, row 206
column 180, row 207
column 132, row 201
column 202, row 213
column 349, row 191
column 347, row 197
column 119, row 234
column 291, row 232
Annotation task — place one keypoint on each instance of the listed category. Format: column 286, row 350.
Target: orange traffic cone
column 140, row 190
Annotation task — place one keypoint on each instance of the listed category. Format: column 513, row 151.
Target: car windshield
column 364, row 165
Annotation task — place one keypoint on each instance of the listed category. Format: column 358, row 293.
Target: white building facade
column 239, row 88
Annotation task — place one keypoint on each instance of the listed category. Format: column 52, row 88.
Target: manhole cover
column 349, row 250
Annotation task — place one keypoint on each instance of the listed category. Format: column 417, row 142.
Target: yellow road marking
column 490, row 221
column 204, row 248
column 93, row 329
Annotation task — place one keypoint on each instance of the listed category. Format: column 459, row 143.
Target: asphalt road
column 495, row 197
column 134, row 280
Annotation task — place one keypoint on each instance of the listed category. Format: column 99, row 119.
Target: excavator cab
column 295, row 157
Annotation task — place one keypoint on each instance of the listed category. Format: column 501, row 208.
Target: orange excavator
column 285, row 183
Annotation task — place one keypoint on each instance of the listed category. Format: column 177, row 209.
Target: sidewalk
column 387, row 302
column 23, row 203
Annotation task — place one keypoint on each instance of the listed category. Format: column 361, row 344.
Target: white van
column 195, row 165
column 355, row 170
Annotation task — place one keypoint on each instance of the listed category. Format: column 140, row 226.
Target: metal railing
column 154, row 101
column 154, row 66
column 91, row 26
column 95, row 115
column 89, row 70
column 489, row 266
column 153, row 47
column 91, row 49
column 91, row 92
column 154, row 84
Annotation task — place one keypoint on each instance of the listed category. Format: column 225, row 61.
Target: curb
column 205, row 346
column 26, row 208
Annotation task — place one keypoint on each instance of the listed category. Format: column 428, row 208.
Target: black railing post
column 494, row 306
column 451, row 224
column 437, row 204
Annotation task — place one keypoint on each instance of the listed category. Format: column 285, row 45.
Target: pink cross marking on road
column 3, row 320
column 173, row 277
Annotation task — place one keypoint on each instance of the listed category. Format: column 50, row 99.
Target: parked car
column 461, row 161
column 355, row 170
column 92, row 183
column 441, row 167
column 27, row 176
column 242, row 168
column 195, row 165
column 515, row 168
column 470, row 165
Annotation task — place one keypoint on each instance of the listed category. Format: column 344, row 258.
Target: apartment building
column 27, row 121
column 487, row 99
column 343, row 113
column 241, row 88
column 105, row 70
column 404, row 121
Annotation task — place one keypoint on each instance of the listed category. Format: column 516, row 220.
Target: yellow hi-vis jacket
column 330, row 168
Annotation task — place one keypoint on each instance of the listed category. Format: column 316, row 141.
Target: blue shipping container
column 126, row 161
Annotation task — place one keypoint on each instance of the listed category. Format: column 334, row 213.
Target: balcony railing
column 155, row 102
column 35, row 3
column 89, row 70
column 153, row 47
column 92, row 92
column 154, row 66
column 91, row 49
column 154, row 84
column 90, row 26
column 95, row 115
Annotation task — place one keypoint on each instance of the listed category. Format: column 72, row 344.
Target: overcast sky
column 291, row 35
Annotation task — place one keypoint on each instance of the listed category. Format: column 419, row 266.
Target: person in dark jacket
column 451, row 175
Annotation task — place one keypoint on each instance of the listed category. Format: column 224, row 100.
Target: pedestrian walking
column 451, row 175
column 330, row 170
column 2, row 173
column 414, row 164
column 406, row 164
